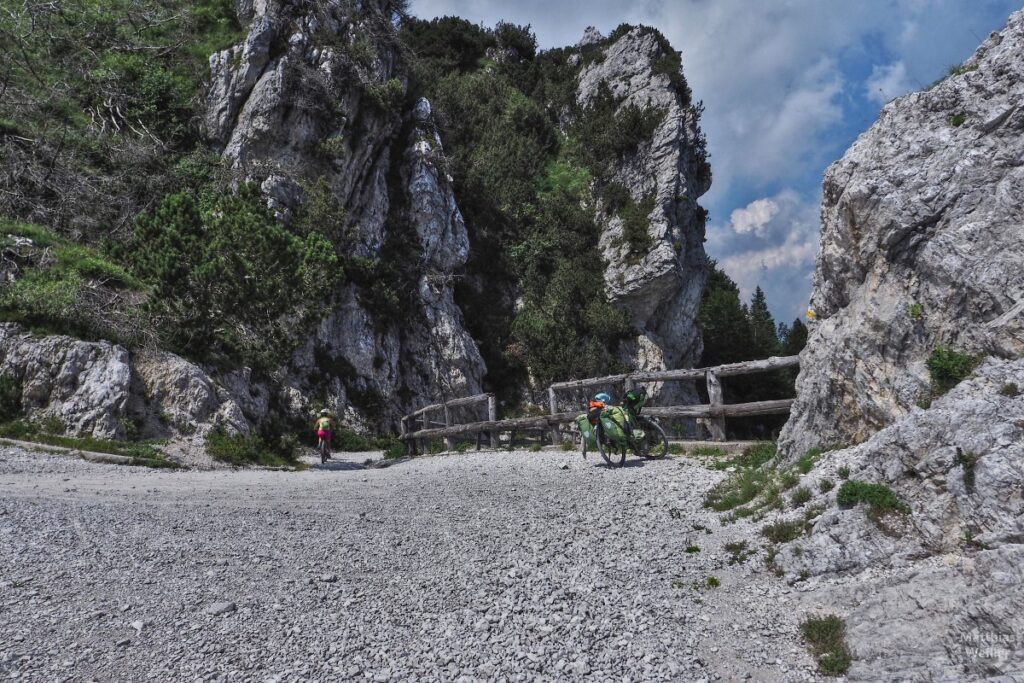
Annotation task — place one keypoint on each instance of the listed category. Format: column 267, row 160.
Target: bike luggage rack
column 715, row 412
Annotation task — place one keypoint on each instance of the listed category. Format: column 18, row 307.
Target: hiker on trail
column 323, row 426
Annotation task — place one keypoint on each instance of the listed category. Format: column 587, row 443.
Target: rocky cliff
column 914, row 536
column 313, row 98
column 921, row 246
column 660, row 288
column 561, row 225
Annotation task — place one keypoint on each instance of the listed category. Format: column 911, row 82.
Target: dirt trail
column 491, row 566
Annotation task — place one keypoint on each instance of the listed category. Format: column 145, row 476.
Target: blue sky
column 788, row 85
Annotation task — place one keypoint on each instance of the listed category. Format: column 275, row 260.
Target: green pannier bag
column 613, row 420
column 587, row 430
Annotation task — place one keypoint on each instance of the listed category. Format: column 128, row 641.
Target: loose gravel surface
column 487, row 566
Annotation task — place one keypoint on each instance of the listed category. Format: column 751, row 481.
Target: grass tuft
column 826, row 639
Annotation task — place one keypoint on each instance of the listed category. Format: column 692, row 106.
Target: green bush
column 948, row 368
column 878, row 496
column 967, row 462
column 782, row 532
column 826, row 639
column 244, row 449
column 800, row 496
column 225, row 274
column 691, row 549
column 10, row 399
column 957, row 120
column 915, row 311
column 843, row 472
column 387, row 96
column 788, row 480
column 712, row 582
column 1010, row 390
column 826, row 485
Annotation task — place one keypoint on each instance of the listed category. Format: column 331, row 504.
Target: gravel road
column 486, row 566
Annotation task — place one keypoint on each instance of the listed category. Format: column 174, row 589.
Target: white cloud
column 778, row 255
column 754, row 216
column 887, row 82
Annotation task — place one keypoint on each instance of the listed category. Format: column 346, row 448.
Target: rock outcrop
column 922, row 241
column 660, row 288
column 102, row 390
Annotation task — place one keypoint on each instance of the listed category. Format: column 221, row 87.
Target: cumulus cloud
column 754, row 216
column 777, row 255
column 887, row 82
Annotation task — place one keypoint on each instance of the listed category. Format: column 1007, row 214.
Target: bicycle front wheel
column 656, row 443
column 608, row 450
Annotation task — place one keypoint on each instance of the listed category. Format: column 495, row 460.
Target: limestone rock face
column 660, row 289
column 922, row 241
column 101, row 390
column 959, row 466
column 311, row 97
column 84, row 385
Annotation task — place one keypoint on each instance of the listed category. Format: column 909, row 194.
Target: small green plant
column 967, row 461
column 798, row 551
column 737, row 490
column 807, row 460
column 568, row 446
column 738, row 552
column 957, row 120
column 788, row 480
column 915, row 311
column 1010, row 390
column 536, row 448
column 826, row 485
column 843, row 472
column 752, row 456
column 462, row 447
column 691, row 549
column 10, row 399
column 948, row 368
column 800, row 497
column 712, row 582
column 676, row 449
column 972, row 542
column 826, row 638
column 958, row 69
column 782, row 532
column 771, row 552
column 879, row 497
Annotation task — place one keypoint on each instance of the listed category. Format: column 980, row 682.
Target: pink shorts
column 324, row 434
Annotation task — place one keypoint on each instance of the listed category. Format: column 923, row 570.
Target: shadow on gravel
column 338, row 466
column 628, row 463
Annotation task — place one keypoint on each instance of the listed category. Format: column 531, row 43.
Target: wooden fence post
column 716, row 423
column 492, row 416
column 556, row 432
column 448, row 423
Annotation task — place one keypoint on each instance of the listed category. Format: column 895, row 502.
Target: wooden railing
column 714, row 412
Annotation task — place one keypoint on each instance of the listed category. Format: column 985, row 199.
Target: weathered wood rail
column 715, row 412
